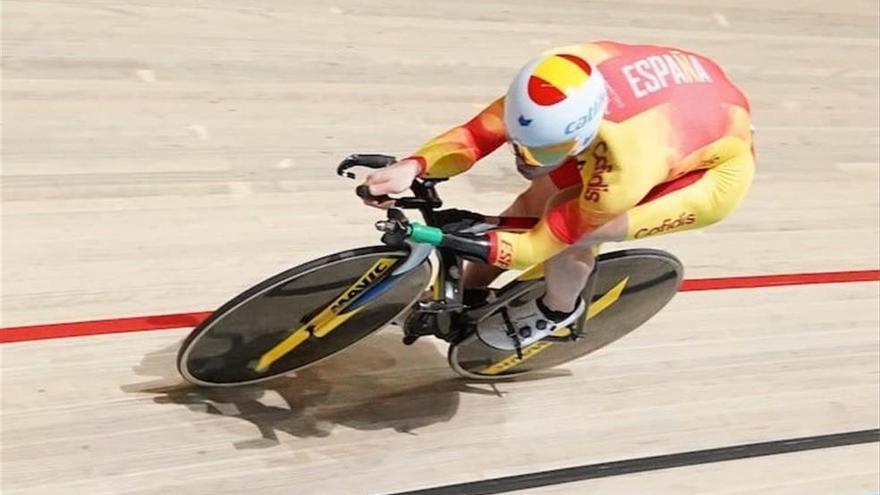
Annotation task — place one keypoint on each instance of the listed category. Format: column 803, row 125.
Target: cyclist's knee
column 612, row 231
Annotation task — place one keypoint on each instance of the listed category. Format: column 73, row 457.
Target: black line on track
column 653, row 463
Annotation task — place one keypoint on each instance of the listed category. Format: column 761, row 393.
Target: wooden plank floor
column 159, row 156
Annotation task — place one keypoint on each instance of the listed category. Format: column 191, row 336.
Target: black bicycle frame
column 445, row 315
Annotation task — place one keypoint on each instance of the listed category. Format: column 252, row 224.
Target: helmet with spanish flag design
column 554, row 108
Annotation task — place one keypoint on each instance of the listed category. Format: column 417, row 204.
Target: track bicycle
column 318, row 309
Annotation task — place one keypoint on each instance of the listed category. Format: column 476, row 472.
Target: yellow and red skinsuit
column 674, row 152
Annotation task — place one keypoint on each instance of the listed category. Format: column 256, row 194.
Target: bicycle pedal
column 418, row 324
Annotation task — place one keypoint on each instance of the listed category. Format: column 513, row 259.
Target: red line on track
column 185, row 320
column 98, row 327
column 756, row 281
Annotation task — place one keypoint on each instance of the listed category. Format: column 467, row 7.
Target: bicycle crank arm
column 560, row 336
column 502, row 299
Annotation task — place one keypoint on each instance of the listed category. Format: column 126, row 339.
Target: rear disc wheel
column 631, row 287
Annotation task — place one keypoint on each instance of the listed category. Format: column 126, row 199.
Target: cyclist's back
column 670, row 112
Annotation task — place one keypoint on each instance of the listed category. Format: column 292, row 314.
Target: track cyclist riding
column 619, row 142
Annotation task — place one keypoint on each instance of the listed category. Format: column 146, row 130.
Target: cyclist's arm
column 456, row 150
column 610, row 187
column 597, row 203
column 510, row 249
column 562, row 227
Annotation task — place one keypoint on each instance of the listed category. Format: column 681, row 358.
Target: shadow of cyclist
column 379, row 384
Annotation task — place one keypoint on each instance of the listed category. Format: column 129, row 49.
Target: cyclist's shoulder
column 616, row 171
column 626, row 147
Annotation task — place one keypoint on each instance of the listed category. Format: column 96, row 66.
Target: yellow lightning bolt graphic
column 325, row 321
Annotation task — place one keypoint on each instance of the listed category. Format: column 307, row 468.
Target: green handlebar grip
column 425, row 234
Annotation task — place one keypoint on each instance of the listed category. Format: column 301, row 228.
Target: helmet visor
column 544, row 156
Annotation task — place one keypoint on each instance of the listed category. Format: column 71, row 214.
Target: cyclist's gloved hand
column 393, row 179
column 461, row 221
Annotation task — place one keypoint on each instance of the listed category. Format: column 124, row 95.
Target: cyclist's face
column 528, row 171
column 551, row 155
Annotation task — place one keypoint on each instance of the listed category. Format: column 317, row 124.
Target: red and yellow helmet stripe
column 556, row 76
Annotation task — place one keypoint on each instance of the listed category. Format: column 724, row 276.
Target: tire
column 645, row 279
column 223, row 349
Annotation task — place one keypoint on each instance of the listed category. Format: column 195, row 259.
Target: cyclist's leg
column 694, row 200
column 566, row 273
column 706, row 197
column 530, row 203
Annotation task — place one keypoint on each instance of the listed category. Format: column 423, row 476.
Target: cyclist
column 619, row 142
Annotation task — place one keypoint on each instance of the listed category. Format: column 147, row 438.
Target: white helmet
column 553, row 109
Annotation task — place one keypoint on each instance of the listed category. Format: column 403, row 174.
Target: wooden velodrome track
column 159, row 156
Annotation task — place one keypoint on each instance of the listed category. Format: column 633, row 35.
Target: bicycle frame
column 444, row 316
column 448, row 313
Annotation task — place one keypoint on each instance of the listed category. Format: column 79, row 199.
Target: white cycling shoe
column 522, row 325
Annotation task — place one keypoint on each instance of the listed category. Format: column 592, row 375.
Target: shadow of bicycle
column 380, row 384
